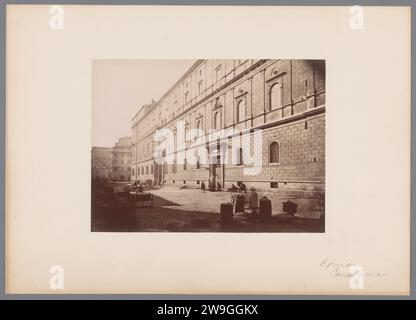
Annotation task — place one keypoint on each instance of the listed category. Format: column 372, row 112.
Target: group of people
column 241, row 188
column 138, row 186
column 211, row 186
column 217, row 187
column 251, row 200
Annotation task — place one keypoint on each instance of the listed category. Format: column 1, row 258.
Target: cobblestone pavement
column 190, row 199
column 191, row 210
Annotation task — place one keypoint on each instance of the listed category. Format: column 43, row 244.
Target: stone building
column 122, row 159
column 281, row 102
column 102, row 163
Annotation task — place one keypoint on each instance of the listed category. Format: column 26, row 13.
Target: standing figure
column 253, row 200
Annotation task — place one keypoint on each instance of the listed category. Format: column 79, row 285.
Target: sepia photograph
column 208, row 145
column 164, row 150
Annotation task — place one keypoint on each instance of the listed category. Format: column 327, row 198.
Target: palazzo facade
column 281, row 100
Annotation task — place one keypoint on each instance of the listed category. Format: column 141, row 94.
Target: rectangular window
column 186, row 97
column 240, row 157
column 217, row 73
column 218, row 159
column 274, row 185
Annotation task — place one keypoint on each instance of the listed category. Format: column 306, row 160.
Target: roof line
column 186, row 74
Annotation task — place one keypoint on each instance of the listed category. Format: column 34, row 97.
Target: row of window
column 274, row 157
column 122, row 161
column 144, row 149
column 200, row 84
column 275, row 102
column 143, row 170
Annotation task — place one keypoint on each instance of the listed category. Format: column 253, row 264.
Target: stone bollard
column 239, row 203
column 290, row 207
column 265, row 208
column 226, row 213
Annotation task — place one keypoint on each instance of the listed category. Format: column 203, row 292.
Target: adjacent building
column 284, row 100
column 102, row 163
column 122, row 159
column 112, row 163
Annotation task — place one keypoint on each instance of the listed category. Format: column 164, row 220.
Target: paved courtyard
column 191, row 210
column 190, row 199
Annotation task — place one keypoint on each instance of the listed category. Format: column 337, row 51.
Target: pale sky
column 121, row 87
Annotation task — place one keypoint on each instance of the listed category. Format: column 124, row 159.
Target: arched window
column 217, row 120
column 241, row 110
column 276, row 95
column 274, row 152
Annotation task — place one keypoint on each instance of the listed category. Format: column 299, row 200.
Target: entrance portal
column 216, row 171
